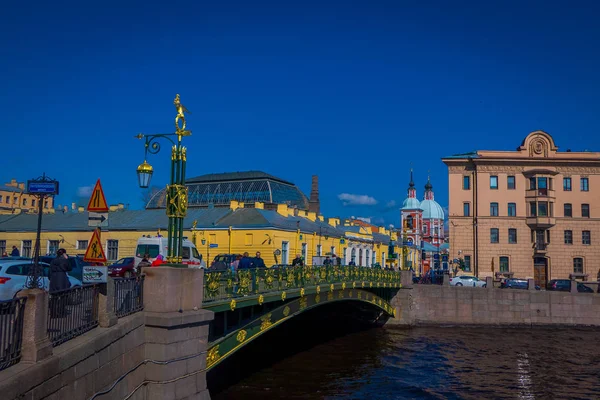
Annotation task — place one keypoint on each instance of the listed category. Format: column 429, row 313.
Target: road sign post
column 95, row 252
column 97, row 208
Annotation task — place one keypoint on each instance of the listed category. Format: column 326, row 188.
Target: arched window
column 367, row 258
column 409, row 222
column 353, row 256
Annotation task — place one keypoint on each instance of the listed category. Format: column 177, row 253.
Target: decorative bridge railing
column 224, row 285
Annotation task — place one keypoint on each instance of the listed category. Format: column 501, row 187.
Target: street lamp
column 177, row 193
column 144, row 173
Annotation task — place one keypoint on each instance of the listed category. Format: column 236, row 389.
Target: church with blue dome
column 422, row 228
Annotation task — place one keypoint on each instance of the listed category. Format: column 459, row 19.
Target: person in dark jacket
column 297, row 261
column 58, row 271
column 15, row 252
column 245, row 262
column 258, row 262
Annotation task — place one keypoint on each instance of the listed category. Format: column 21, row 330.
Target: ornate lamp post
column 177, row 194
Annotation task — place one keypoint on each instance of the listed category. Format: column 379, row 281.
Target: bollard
column 36, row 345
column 106, row 304
column 531, row 284
column 573, row 286
column 489, row 282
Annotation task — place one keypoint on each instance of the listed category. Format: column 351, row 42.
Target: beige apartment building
column 529, row 213
column 13, row 198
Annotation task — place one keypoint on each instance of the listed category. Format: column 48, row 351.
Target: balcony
column 540, row 248
column 537, row 193
column 540, row 222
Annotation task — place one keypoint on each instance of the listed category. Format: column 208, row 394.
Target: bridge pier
column 176, row 331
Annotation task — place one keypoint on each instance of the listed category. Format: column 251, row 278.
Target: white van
column 155, row 245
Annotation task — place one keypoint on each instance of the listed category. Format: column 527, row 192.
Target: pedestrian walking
column 258, row 262
column 15, row 252
column 298, row 261
column 245, row 262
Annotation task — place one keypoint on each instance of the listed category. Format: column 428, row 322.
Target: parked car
column 13, row 277
column 467, row 280
column 564, row 285
column 77, row 265
column 514, row 283
column 122, row 268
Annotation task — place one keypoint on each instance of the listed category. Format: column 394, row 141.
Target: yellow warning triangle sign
column 95, row 252
column 97, row 201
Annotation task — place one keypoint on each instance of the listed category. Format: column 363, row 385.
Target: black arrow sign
column 101, row 218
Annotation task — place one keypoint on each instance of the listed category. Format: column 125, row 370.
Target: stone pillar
column 106, row 304
column 489, row 282
column 531, row 284
column 446, row 281
column 406, row 278
column 573, row 286
column 36, row 345
column 177, row 332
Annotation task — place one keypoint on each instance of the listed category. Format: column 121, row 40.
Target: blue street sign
column 41, row 187
column 213, row 245
column 407, row 243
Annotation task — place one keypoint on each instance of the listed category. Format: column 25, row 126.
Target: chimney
column 313, row 204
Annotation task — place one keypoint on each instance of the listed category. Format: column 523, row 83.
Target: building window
column 0, row 198
column 33, row 203
column 568, row 237
column 585, row 210
column 542, row 188
column 586, row 237
column 493, row 182
column 512, row 235
column 285, row 252
column 24, row 202
column 504, row 264
column 510, row 182
column 494, row 235
column 532, row 209
column 15, row 202
column 567, row 184
column 2, row 247
column 543, row 209
column 367, row 258
column 26, row 248
column 568, row 210
column 52, row 247
column 467, row 264
column 319, row 250
column 305, row 252
column 82, row 245
column 113, row 249
column 249, row 239
column 46, row 204
column 466, row 209
column 578, row 265
column 532, row 184
column 512, row 209
column 493, row 209
column 466, row 182
column 585, row 185
column 424, row 229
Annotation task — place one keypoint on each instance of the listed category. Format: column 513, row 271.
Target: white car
column 13, row 277
column 467, row 280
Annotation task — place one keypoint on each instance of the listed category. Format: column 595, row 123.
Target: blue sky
column 353, row 91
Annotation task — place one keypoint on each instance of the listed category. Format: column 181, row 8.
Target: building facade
column 529, row 213
column 13, row 198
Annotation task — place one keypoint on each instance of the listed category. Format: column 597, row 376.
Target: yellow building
column 529, row 213
column 13, row 199
column 279, row 234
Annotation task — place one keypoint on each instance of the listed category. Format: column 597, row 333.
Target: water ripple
column 436, row 363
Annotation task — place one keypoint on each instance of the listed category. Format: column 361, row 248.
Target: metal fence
column 72, row 312
column 129, row 295
column 220, row 285
column 11, row 331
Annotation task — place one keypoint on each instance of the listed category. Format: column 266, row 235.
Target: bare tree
column 149, row 193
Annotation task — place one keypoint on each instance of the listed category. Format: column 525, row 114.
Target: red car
column 123, row 268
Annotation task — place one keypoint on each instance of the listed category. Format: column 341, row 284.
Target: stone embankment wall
column 166, row 342
column 419, row 305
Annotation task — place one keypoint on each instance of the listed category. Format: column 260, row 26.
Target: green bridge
column 249, row 303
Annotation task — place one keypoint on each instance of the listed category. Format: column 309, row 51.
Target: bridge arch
column 224, row 347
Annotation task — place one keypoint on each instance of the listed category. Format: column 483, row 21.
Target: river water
column 435, row 363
